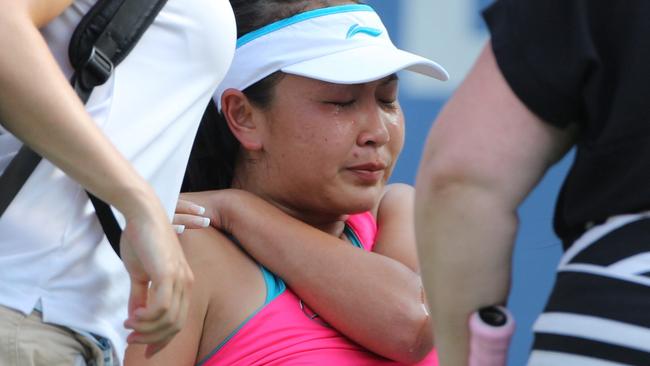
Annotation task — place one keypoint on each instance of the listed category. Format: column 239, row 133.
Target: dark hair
column 212, row 160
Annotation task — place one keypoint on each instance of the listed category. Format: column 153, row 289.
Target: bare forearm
column 484, row 154
column 371, row 298
column 40, row 108
column 465, row 256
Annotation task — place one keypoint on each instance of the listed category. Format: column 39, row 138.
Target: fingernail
column 179, row 229
column 201, row 221
column 152, row 350
column 196, row 209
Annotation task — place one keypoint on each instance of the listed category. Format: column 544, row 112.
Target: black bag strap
column 103, row 38
column 16, row 174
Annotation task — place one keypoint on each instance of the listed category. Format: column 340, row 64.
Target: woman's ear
column 242, row 118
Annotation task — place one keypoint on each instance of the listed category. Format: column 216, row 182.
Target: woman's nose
column 374, row 129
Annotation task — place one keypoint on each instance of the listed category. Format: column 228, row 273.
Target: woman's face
column 328, row 149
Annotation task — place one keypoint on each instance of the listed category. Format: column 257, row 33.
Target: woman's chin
column 362, row 203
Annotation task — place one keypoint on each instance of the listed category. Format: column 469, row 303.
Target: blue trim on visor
column 356, row 28
column 269, row 28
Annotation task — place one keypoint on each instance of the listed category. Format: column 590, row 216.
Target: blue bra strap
column 352, row 236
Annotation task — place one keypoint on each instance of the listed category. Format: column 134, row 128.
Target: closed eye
column 341, row 104
column 389, row 104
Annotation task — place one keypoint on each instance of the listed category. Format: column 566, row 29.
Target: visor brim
column 365, row 64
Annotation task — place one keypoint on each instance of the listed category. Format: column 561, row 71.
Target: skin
column 57, row 127
column 340, row 141
column 319, row 115
column 484, row 155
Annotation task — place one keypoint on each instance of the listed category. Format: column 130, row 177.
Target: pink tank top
column 283, row 333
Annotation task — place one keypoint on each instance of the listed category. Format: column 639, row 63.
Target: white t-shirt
column 52, row 247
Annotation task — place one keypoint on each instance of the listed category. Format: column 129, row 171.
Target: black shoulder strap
column 103, row 38
column 16, row 174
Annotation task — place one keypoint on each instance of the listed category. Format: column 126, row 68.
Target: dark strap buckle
column 96, row 70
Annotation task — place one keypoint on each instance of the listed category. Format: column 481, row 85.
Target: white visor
column 345, row 44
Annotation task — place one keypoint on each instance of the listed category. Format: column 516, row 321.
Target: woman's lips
column 368, row 172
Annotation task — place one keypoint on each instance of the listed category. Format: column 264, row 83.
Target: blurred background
column 452, row 32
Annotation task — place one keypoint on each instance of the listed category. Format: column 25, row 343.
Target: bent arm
column 38, row 105
column 371, row 298
column 396, row 239
column 485, row 153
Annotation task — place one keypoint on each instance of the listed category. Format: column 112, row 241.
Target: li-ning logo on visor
column 356, row 28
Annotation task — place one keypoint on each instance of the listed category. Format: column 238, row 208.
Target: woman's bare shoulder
column 208, row 247
column 230, row 281
column 214, row 255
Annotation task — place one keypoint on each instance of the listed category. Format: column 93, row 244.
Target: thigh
column 27, row 341
column 598, row 313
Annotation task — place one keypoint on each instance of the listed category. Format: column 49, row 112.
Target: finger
column 179, row 229
column 160, row 298
column 163, row 329
column 152, row 349
column 191, row 221
column 186, row 301
column 176, row 314
column 157, row 330
column 189, row 207
column 138, row 296
column 160, row 331
column 162, row 336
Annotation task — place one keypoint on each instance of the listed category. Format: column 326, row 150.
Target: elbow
column 440, row 183
column 414, row 339
column 443, row 186
column 421, row 340
column 441, row 178
column 447, row 170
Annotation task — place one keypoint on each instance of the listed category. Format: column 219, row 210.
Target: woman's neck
column 330, row 223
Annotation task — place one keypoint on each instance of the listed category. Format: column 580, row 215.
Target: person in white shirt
column 60, row 280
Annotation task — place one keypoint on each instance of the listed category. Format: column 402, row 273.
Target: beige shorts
column 27, row 341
